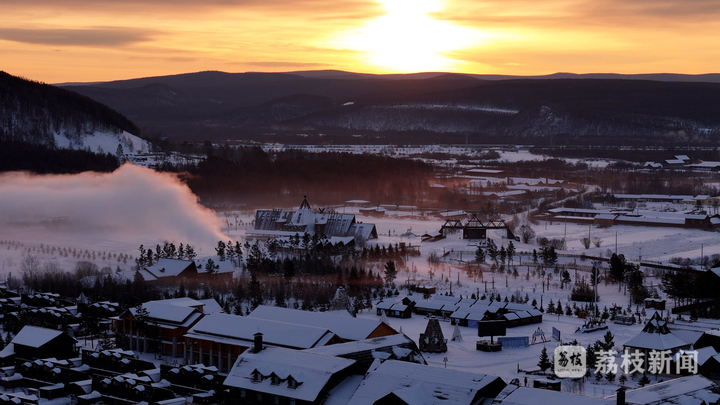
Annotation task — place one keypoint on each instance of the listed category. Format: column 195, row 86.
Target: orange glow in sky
column 80, row 41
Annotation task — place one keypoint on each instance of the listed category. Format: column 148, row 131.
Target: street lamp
column 595, row 280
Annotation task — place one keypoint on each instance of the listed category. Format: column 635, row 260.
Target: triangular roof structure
column 656, row 336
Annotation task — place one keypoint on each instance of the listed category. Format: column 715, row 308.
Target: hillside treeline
column 42, row 159
column 257, row 178
column 32, row 111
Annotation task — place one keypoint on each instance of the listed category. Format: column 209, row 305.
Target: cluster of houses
column 462, row 311
column 286, row 356
column 610, row 217
column 683, row 162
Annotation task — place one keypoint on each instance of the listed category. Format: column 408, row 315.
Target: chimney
column 257, row 342
column 621, row 396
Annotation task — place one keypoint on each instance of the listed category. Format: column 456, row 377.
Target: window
column 292, row 383
column 274, row 380
column 256, row 376
column 243, row 393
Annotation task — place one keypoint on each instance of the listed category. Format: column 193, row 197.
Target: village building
column 278, row 223
column 164, row 325
column 656, row 336
column 400, row 308
column 218, row 339
column 516, row 395
column 274, row 375
column 606, row 218
column 398, row 382
column 169, row 270
column 346, row 328
column 694, row 389
column 33, row 342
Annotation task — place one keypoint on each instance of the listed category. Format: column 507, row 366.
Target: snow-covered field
column 156, row 209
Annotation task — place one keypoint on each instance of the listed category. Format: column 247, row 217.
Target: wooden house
column 169, row 270
column 396, row 309
column 33, row 342
column 274, row 375
column 164, row 325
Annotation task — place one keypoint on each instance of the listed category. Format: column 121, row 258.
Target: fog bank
column 129, row 206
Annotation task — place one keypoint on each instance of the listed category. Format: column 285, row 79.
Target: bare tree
column 585, row 242
column 597, row 241
column 30, row 268
column 526, row 233
column 52, row 268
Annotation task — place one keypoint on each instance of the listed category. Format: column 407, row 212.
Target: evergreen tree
column 551, row 307
column 618, row 266
column 480, row 255
column 544, row 362
column 510, row 251
column 190, row 252
column 210, row 266
column 220, row 250
column 390, row 271
column 609, row 341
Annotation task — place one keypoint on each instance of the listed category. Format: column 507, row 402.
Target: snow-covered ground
column 150, row 208
column 104, row 142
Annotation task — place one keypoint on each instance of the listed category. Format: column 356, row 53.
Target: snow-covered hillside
column 103, row 142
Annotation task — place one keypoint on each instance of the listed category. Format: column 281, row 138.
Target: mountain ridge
column 218, row 105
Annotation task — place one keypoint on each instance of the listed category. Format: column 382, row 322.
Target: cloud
column 130, row 206
column 194, row 7
column 102, row 36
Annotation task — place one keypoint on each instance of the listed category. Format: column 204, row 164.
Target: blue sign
column 556, row 334
column 523, row 341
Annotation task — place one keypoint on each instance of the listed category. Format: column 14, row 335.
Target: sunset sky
column 80, row 41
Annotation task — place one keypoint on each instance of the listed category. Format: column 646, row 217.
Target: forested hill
column 35, row 112
column 319, row 107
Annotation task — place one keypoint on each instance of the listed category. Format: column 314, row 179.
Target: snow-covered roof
column 240, row 330
column 362, row 345
column 706, row 165
column 514, row 395
column 438, row 385
column 211, row 306
column 168, row 267
column 311, row 371
column 657, row 341
column 334, row 240
column 663, row 197
column 451, row 213
column 345, row 326
column 34, row 336
column 169, row 312
column 686, row 390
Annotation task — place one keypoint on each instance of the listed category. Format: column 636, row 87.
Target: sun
column 408, row 39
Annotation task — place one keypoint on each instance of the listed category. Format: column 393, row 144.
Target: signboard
column 521, row 341
column 491, row 328
column 556, row 334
